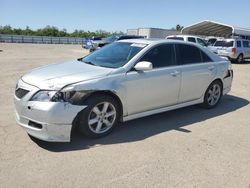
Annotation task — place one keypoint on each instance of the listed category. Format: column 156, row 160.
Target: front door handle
column 175, row 73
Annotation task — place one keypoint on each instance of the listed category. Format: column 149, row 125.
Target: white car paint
column 141, row 93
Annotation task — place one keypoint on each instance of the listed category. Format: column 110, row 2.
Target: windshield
column 114, row 55
column 224, row 43
column 211, row 41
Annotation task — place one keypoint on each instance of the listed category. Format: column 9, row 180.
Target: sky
column 120, row 15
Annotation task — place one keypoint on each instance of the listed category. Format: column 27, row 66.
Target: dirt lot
column 189, row 147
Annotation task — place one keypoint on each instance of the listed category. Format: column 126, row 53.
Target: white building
column 152, row 32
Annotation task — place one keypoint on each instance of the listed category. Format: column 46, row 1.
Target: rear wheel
column 212, row 95
column 240, row 59
column 100, row 117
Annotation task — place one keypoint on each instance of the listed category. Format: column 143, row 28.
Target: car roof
column 154, row 41
column 183, row 36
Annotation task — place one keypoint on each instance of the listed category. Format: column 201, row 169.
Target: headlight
column 43, row 96
column 73, row 97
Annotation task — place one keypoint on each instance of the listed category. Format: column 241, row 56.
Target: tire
column 240, row 59
column 94, row 121
column 213, row 95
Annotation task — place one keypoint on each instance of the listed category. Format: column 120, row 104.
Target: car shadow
column 143, row 128
column 245, row 62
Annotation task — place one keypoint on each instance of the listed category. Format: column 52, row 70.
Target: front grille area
column 20, row 93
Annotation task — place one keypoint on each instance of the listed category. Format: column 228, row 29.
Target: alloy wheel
column 214, row 94
column 102, row 117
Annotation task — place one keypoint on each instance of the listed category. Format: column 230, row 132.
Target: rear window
column 223, row 43
column 176, row 38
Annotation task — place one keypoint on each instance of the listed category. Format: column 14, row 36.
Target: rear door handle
column 175, row 73
column 211, row 67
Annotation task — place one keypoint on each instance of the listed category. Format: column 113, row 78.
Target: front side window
column 201, row 42
column 161, row 56
column 211, row 42
column 114, row 55
column 191, row 39
column 239, row 44
column 189, row 54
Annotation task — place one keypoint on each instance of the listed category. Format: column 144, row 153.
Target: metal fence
column 40, row 39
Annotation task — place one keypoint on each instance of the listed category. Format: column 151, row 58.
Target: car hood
column 56, row 76
column 99, row 42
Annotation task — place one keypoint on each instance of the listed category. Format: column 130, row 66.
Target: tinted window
column 191, row 39
column 130, row 37
column 189, row 54
column 176, row 38
column 246, row 44
column 223, row 43
column 201, row 42
column 161, row 56
column 205, row 57
column 211, row 41
column 238, row 44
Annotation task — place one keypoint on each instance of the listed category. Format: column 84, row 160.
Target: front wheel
column 100, row 117
column 212, row 95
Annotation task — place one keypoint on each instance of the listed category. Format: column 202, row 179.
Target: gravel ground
column 189, row 147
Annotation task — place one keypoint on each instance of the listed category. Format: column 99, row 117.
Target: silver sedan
column 120, row 82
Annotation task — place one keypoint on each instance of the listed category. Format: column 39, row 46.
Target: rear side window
column 239, row 44
column 176, row 38
column 189, row 54
column 246, row 44
column 161, row 56
column 191, row 39
column 205, row 57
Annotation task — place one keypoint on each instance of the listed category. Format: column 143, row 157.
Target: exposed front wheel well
column 219, row 80
column 100, row 93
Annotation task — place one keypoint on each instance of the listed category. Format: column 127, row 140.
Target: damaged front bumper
column 48, row 121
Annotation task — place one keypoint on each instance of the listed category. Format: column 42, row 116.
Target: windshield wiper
column 89, row 62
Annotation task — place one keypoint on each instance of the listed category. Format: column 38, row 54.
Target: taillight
column 234, row 50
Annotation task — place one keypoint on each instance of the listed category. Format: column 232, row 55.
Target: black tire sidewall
column 240, row 58
column 82, row 123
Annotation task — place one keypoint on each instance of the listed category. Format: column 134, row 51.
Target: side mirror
column 143, row 66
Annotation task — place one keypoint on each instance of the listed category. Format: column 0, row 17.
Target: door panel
column 195, row 80
column 152, row 89
column 197, row 69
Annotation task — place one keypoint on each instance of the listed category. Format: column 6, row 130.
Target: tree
column 179, row 27
column 55, row 32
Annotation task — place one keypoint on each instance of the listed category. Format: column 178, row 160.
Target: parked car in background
column 188, row 38
column 211, row 40
column 98, row 44
column 234, row 49
column 125, row 80
column 90, row 41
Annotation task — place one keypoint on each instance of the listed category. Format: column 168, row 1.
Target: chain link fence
column 41, row 39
